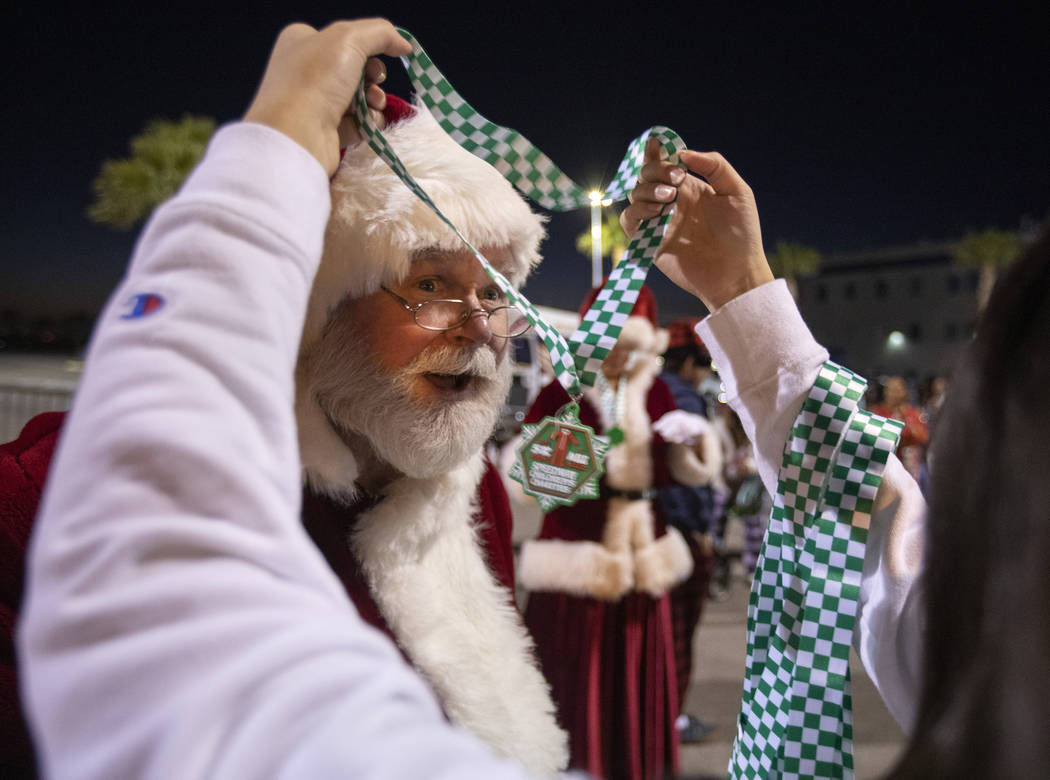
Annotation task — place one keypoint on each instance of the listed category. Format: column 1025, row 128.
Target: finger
column 629, row 222
column 717, row 170
column 652, row 150
column 375, row 71
column 293, row 32
column 633, row 216
column 348, row 133
column 375, row 97
column 661, row 171
column 652, row 192
column 374, row 36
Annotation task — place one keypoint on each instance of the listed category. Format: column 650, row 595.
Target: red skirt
column 611, row 668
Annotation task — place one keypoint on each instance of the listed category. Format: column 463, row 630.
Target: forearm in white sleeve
column 179, row 622
column 768, row 362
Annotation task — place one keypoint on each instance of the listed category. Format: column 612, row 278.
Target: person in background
column 932, row 392
column 600, row 572
column 691, row 509
column 954, row 614
column 913, row 440
column 748, row 499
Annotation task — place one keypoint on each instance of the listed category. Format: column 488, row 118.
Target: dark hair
column 675, row 357
column 985, row 702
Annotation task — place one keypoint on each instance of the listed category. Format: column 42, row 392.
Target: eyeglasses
column 448, row 313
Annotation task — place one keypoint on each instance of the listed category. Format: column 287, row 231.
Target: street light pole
column 596, row 238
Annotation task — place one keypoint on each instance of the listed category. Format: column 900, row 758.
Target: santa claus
column 403, row 369
column 600, row 572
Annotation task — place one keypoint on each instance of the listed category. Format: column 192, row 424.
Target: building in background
column 904, row 310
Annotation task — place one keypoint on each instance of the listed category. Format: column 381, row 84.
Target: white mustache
column 449, row 360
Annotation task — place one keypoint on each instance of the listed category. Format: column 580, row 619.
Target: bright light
column 596, row 233
column 607, row 202
column 596, row 198
column 896, row 341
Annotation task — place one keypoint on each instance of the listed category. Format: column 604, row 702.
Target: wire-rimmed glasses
column 440, row 314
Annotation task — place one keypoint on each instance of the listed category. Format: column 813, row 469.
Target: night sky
column 858, row 126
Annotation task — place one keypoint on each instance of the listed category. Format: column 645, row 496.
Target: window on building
column 915, row 332
column 850, row 291
column 915, row 285
column 881, row 288
column 522, row 350
column 822, row 293
column 952, row 283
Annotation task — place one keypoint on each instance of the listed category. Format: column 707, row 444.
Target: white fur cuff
column 578, row 568
column 660, row 566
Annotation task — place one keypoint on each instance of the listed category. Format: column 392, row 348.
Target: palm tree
column 791, row 261
column 614, row 240
column 162, row 156
column 988, row 251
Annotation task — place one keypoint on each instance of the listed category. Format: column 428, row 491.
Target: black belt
column 631, row 495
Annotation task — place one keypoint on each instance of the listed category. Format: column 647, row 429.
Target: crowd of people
column 265, row 541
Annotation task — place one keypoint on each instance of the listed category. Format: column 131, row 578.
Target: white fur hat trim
column 378, row 224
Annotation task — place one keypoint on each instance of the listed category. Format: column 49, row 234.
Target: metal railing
column 18, row 404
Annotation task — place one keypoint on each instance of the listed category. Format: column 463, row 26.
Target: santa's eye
column 493, row 294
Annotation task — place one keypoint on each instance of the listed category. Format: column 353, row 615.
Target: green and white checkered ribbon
column 536, row 177
column 796, row 718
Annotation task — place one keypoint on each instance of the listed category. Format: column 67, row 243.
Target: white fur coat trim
column 328, row 465
column 424, row 565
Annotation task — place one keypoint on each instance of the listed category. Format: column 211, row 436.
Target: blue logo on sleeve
column 143, row 305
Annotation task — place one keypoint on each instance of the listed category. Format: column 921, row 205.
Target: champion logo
column 142, row 305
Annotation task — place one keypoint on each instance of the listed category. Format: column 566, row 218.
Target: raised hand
column 713, row 245
column 313, row 75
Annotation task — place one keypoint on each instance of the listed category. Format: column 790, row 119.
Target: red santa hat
column 378, row 225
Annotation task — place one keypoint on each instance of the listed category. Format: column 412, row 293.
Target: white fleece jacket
column 768, row 361
column 179, row 622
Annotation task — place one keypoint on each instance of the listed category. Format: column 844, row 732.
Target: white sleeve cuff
column 756, row 335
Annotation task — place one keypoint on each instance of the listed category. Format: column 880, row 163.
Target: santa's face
column 397, row 341
column 425, row 400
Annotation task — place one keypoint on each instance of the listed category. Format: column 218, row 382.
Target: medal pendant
column 560, row 460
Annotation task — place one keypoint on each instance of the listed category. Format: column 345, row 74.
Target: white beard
column 418, row 438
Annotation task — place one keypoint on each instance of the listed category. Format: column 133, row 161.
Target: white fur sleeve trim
column 661, row 565
column 584, row 569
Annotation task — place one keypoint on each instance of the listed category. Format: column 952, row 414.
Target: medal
column 560, row 459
